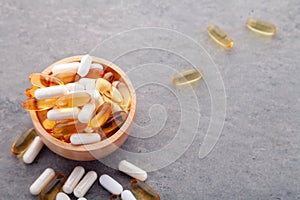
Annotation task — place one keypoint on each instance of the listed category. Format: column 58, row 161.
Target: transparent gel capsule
column 113, row 123
column 102, row 115
column 219, row 36
column 43, row 80
column 67, row 76
column 63, row 128
column 186, row 77
column 23, row 141
column 30, row 91
column 73, row 100
column 142, row 191
column 53, row 187
column 260, row 26
column 38, row 105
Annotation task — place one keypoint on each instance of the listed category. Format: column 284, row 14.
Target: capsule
column 53, row 187
column 67, row 76
column 143, row 191
column 66, row 66
column 109, row 76
column 50, row 92
column 63, row 113
column 103, row 86
column 73, row 100
column 219, row 36
column 127, row 195
column 38, row 105
column 115, row 95
column 102, row 115
column 66, row 127
column 132, row 170
column 33, row 150
column 94, row 73
column 30, row 91
column 72, row 87
column 125, row 94
column 260, row 26
column 62, row 196
column 97, row 65
column 85, row 184
column 84, row 65
column 110, row 184
column 73, row 179
column 84, row 138
column 86, row 112
column 42, row 181
column 43, row 80
column 90, row 86
column 23, row 141
column 113, row 123
column 48, row 124
column 186, row 77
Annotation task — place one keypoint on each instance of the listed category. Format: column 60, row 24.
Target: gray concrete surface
column 258, row 153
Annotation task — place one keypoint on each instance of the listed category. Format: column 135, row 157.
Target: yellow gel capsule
column 73, row 100
column 219, row 36
column 30, row 91
column 67, row 76
column 34, row 104
column 113, row 123
column 101, row 116
column 186, row 77
column 23, row 141
column 48, row 124
column 67, row 127
column 103, row 86
column 94, row 73
column 125, row 94
column 53, row 187
column 43, row 80
column 142, row 191
column 260, row 26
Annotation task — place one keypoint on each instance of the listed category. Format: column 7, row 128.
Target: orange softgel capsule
column 219, row 36
column 73, row 100
column 38, row 105
column 114, row 123
column 30, row 91
column 102, row 115
column 67, row 76
column 43, row 80
column 23, row 141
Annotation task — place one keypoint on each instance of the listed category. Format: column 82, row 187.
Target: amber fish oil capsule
column 42, row 181
column 186, row 77
column 73, row 100
column 143, row 191
column 43, row 80
column 53, row 187
column 219, row 36
column 73, row 179
column 38, row 105
column 23, row 141
column 260, row 26
column 30, row 91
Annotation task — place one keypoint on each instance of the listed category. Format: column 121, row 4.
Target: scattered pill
column 42, row 181
column 62, row 196
column 23, row 141
column 53, row 187
column 38, row 105
column 73, row 179
column 73, row 100
column 84, row 65
column 50, row 92
column 85, row 138
column 33, row 150
column 143, row 191
column 63, row 113
column 127, row 195
column 132, row 170
column 186, row 77
column 44, row 80
column 67, row 66
column 219, row 36
column 85, row 184
column 260, row 26
column 86, row 112
column 110, row 184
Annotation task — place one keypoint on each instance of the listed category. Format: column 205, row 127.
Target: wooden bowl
column 96, row 150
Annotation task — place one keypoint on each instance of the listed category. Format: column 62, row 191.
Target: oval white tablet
column 66, row 66
column 127, row 195
column 110, row 184
column 85, row 184
column 50, row 92
column 73, row 179
column 63, row 113
column 86, row 112
column 132, row 170
column 85, row 65
column 84, row 138
column 33, row 150
column 62, row 196
column 42, row 181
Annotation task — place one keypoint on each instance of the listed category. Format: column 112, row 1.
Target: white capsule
column 85, row 184
column 97, row 65
column 127, row 195
column 74, row 87
column 86, row 81
column 73, row 179
column 82, row 198
column 42, row 181
column 67, row 66
column 84, row 138
column 50, row 92
column 110, row 184
column 91, row 85
column 63, row 113
column 94, row 93
column 33, row 150
column 62, row 196
column 86, row 112
column 85, row 65
column 132, row 170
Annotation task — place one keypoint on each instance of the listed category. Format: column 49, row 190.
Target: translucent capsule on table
column 38, row 105
column 66, row 127
column 186, row 77
column 50, row 92
column 62, row 196
column 73, row 179
column 33, row 150
column 48, row 124
column 114, row 122
column 73, row 100
column 30, row 91
column 86, row 112
column 84, row 138
column 142, row 191
column 50, row 191
column 23, row 141
column 110, row 184
column 109, row 76
column 219, row 36
column 84, row 66
column 132, row 170
column 94, row 73
column 127, row 195
column 44, row 80
column 42, row 181
column 74, row 87
column 125, row 94
column 63, row 113
column 260, row 26
column 66, row 66
column 67, row 76
column 102, row 115
column 103, row 86
column 85, row 184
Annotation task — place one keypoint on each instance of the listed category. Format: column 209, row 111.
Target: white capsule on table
column 66, row 66
column 85, row 184
column 84, row 138
column 63, row 113
column 74, row 87
column 50, row 92
column 97, row 65
column 73, row 179
column 127, row 195
column 33, row 150
column 86, row 112
column 110, row 184
column 85, row 65
column 132, row 170
column 42, row 181
column 62, row 196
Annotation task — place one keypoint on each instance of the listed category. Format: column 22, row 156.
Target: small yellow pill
column 186, row 77
column 44, row 80
column 260, row 26
column 219, row 36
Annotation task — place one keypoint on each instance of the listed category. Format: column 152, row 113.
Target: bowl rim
column 103, row 143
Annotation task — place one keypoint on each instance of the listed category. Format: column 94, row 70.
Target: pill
column 66, row 127
column 109, row 76
column 110, row 184
column 116, row 95
column 85, row 184
column 33, row 150
column 73, row 100
column 91, row 86
column 97, row 65
column 94, row 93
column 94, row 73
column 30, row 91
column 48, row 124
column 62, row 196
column 38, row 105
column 102, row 115
column 127, row 195
column 132, row 170
column 114, row 122
column 219, row 36
column 53, row 187
column 143, row 191
column 63, row 113
column 73, row 179
column 103, row 86
column 186, row 77
column 81, row 198
column 44, row 80
column 84, row 65
column 42, row 181
column 74, row 87
column 84, row 138
column 86, row 81
column 50, row 92
column 122, row 88
column 86, row 112
column 67, row 76
column 66, row 66
column 261, row 26
column 23, row 141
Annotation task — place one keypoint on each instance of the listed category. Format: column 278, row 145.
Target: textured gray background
column 258, row 154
